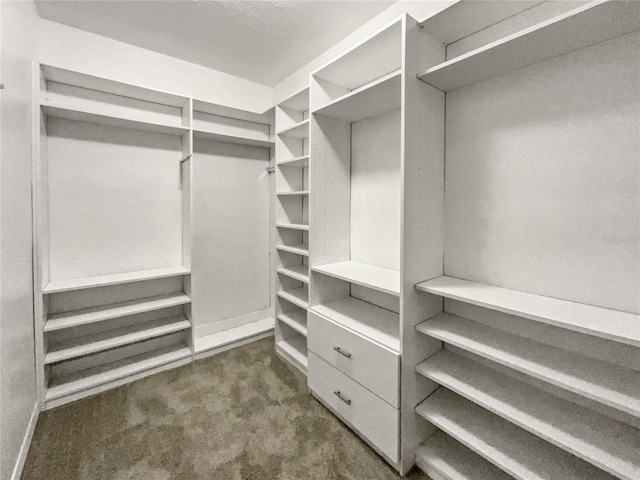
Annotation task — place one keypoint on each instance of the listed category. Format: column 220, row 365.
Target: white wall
column 17, row 373
column 542, row 189
column 419, row 10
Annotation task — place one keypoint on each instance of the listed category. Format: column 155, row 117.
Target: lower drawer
column 372, row 417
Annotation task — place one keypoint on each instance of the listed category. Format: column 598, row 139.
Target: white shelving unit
column 376, row 190
column 292, row 232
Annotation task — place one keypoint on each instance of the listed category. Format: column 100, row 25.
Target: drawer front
column 366, row 362
column 372, row 417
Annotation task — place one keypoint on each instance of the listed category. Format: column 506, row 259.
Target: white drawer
column 373, row 418
column 368, row 363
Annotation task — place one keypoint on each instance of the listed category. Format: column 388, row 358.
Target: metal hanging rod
column 186, row 158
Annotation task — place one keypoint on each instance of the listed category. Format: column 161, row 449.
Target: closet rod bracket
column 188, row 157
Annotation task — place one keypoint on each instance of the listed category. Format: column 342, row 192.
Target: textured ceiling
column 264, row 41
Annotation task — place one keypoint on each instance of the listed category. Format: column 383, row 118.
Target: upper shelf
column 377, row 278
column 89, row 115
column 57, row 286
column 614, row 325
column 375, row 98
column 299, row 130
column 298, row 101
column 579, row 28
column 234, row 139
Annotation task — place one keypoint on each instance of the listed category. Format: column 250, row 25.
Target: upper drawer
column 370, row 364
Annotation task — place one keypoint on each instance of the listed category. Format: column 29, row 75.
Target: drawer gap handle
column 341, row 352
column 342, row 397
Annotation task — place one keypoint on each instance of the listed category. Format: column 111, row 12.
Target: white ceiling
column 260, row 40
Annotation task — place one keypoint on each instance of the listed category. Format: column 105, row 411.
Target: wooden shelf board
column 89, row 115
column 264, row 118
column 296, row 320
column 512, row 449
column 298, row 101
column 297, row 296
column 78, row 347
column 377, row 278
column 300, row 249
column 232, row 335
column 297, row 272
column 295, row 350
column 293, row 226
column 375, row 323
column 57, row 286
column 601, row 322
column 86, row 316
column 96, row 376
column 440, row 456
column 603, row 382
column 234, row 139
column 372, row 99
column 606, row 443
column 584, row 26
column 300, row 162
column 299, row 130
column 300, row 193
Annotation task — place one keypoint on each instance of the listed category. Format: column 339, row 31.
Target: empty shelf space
column 297, row 296
column 602, row 382
column 97, row 376
column 375, row 98
column 113, row 279
column 300, row 249
column 377, row 278
column 86, row 345
column 601, row 322
column 295, row 350
column 514, row 450
column 76, row 318
column 296, row 320
column 375, row 323
column 293, row 226
column 234, row 139
column 232, row 335
column 90, row 115
column 598, row 439
column 440, row 456
column 579, row 28
column 301, row 193
column 298, row 101
column 297, row 272
column 299, row 130
column 300, row 162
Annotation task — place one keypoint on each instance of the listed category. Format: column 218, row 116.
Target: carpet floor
column 240, row 415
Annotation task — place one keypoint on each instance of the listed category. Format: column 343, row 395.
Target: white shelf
column 370, row 100
column 299, row 130
column 377, row 278
column 295, row 350
column 91, row 115
column 442, row 457
column 514, row 450
column 375, row 323
column 300, row 162
column 85, row 316
column 300, row 193
column 77, row 347
column 298, row 101
column 97, row 376
column 300, row 249
column 230, row 336
column 601, row 322
column 296, row 320
column 600, row 381
column 293, row 226
column 600, row 440
column 297, row 272
column 234, row 139
column 579, row 28
column 57, row 286
column 297, row 296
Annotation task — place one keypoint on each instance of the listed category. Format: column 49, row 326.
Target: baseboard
column 26, row 443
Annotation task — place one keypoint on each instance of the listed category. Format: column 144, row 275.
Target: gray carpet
column 240, row 415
